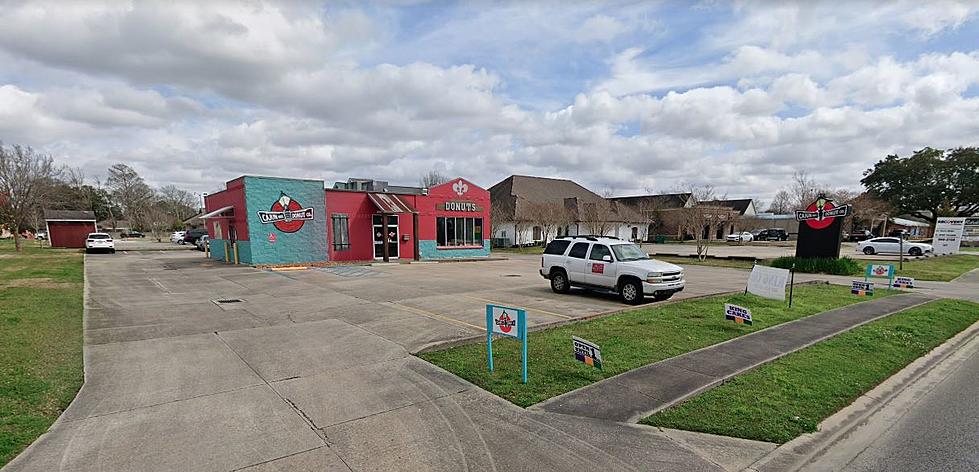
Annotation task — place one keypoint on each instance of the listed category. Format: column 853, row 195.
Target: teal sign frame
column 505, row 325
column 873, row 270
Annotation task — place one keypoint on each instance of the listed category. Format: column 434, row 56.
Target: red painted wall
column 445, row 192
column 360, row 211
column 234, row 195
column 69, row 233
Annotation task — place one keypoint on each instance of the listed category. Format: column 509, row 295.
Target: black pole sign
column 820, row 228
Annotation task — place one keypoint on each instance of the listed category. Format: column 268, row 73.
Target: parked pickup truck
column 611, row 264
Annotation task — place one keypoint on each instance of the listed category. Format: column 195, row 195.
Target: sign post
column 506, row 321
column 820, row 228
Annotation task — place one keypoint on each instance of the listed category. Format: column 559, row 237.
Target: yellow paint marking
column 528, row 309
column 435, row 316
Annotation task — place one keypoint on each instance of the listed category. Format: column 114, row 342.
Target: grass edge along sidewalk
column 790, row 396
column 41, row 367
column 629, row 340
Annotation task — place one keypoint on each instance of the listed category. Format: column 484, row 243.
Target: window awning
column 218, row 213
column 389, row 203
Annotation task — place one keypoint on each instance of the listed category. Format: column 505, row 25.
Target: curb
column 802, row 451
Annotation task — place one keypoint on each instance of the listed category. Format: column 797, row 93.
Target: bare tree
column 176, row 202
column 131, row 192
column 782, row 203
column 703, row 217
column 25, row 177
column 547, row 215
column 433, row 178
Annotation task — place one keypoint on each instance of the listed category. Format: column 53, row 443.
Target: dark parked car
column 131, row 234
column 192, row 235
column 858, row 235
column 772, row 234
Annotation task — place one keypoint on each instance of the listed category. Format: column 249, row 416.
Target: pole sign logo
column 286, row 214
column 821, row 213
column 862, row 288
column 904, row 282
column 820, row 228
column 737, row 314
column 510, row 322
column 587, row 352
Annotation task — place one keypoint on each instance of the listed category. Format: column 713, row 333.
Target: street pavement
column 646, row 390
column 939, row 432
column 311, row 370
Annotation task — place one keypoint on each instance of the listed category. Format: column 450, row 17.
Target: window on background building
column 459, row 231
column 341, row 232
column 538, row 233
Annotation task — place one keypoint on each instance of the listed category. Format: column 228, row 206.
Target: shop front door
column 392, row 238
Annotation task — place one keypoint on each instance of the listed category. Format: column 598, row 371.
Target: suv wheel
column 631, row 292
column 559, row 282
column 869, row 250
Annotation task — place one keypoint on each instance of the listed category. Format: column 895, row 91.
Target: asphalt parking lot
column 311, row 370
column 412, row 305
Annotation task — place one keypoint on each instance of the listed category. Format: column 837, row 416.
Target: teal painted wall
column 428, row 250
column 244, row 251
column 308, row 244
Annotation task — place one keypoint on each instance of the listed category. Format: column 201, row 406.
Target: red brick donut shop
column 280, row 221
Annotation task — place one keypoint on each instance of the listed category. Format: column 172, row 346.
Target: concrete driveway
column 312, row 370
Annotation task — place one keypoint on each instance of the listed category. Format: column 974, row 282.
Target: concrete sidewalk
column 630, row 396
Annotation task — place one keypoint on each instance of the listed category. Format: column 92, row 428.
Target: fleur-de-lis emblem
column 460, row 188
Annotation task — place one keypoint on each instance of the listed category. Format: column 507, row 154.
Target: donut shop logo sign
column 460, row 188
column 821, row 213
column 286, row 214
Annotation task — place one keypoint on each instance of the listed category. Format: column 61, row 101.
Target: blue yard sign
column 506, row 321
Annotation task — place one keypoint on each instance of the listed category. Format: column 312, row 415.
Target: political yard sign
column 820, row 228
column 903, row 282
column 587, row 352
column 510, row 322
column 737, row 314
column 862, row 288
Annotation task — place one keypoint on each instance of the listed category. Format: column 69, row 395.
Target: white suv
column 606, row 263
column 99, row 242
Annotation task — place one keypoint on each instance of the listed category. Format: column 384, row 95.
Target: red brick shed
column 68, row 228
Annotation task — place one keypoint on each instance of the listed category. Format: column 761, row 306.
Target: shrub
column 820, row 265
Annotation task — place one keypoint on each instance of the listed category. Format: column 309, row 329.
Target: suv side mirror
column 607, row 258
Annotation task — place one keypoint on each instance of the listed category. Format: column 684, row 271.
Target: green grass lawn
column 942, row 268
column 40, row 341
column 790, row 396
column 628, row 340
column 682, row 261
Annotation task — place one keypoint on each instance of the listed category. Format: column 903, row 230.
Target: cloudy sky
column 618, row 95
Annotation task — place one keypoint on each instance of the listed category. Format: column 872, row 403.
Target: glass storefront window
column 451, row 231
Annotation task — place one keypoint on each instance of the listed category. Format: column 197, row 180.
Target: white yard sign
column 768, row 282
column 948, row 235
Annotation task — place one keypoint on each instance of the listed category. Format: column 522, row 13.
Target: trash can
column 660, row 239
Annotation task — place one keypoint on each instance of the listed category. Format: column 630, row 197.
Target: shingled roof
column 512, row 195
column 664, row 201
column 739, row 205
column 64, row 215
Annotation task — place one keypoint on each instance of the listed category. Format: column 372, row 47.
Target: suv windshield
column 628, row 252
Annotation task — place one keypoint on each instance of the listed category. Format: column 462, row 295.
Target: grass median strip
column 792, row 395
column 628, row 340
column 40, row 341
column 942, row 268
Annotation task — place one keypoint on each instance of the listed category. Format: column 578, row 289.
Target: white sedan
column 893, row 246
column 99, row 242
column 740, row 237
